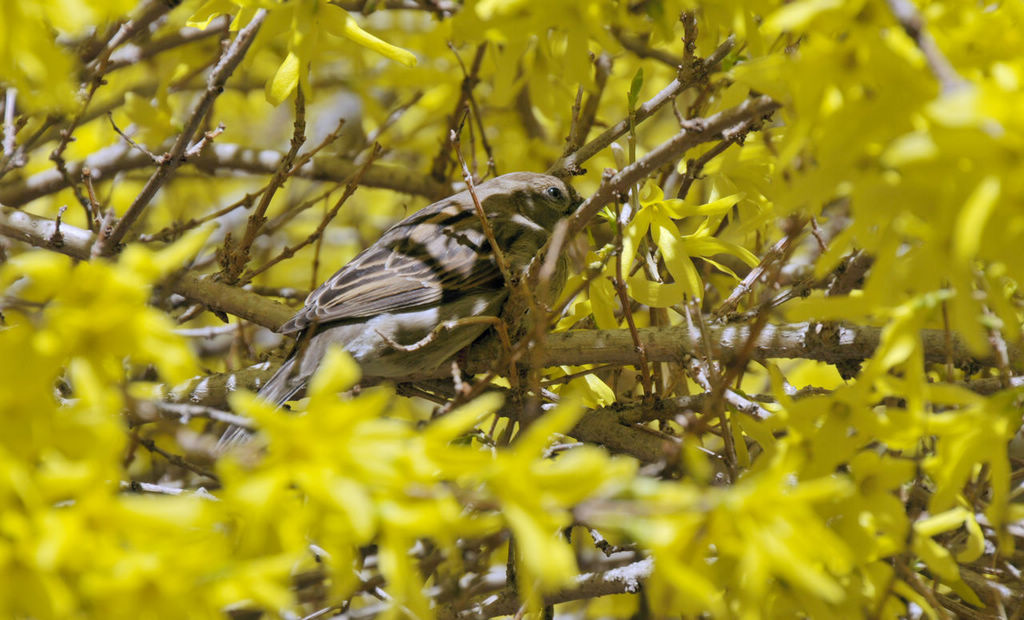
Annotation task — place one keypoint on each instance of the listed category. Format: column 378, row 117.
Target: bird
column 431, row 269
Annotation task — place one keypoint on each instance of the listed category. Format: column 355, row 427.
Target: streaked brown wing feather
column 436, row 252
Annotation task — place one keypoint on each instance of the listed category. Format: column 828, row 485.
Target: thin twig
column 132, row 143
column 620, row 288
column 775, row 253
column 176, row 459
column 13, row 156
column 183, row 412
column 524, row 108
column 913, row 23
column 106, row 163
column 134, row 54
column 66, row 138
column 236, row 257
column 688, row 76
column 10, row 104
column 689, row 21
column 949, row 341
column 197, row 149
column 715, row 383
column 94, row 205
column 995, row 338
column 290, row 251
column 583, row 121
column 726, row 125
column 57, row 238
column 439, row 169
column 103, row 229
column 485, row 224
column 16, row 158
column 393, row 117
column 176, row 229
column 485, row 144
column 148, row 12
column 573, row 142
column 641, row 49
column 314, row 272
column 695, row 166
column 172, row 159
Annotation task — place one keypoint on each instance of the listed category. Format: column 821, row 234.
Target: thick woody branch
column 832, row 343
column 76, row 242
column 441, row 8
column 608, row 428
column 104, row 164
column 232, row 300
column 614, row 426
column 815, row 341
column 620, row 580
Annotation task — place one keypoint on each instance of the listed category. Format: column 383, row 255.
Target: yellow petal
column 281, row 86
column 339, row 23
column 970, row 223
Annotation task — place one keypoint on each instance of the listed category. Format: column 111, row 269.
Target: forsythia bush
column 885, row 488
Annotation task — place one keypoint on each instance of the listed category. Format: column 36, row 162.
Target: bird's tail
column 280, row 388
column 283, row 385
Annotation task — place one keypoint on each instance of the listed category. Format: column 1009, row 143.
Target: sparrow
column 431, row 269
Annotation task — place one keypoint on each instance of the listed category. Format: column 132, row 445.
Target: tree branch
column 614, row 346
column 106, row 163
column 585, row 120
column 619, row 580
column 173, row 158
column 76, row 242
column 913, row 24
column 793, row 340
column 722, row 126
column 687, row 77
column 133, row 54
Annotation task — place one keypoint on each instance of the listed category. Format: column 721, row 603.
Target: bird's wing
column 427, row 258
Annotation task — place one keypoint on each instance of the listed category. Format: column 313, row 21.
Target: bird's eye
column 554, row 192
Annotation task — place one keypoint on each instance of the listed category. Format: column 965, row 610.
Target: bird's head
column 542, row 198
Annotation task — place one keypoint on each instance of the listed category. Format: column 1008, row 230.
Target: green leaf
column 634, row 88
